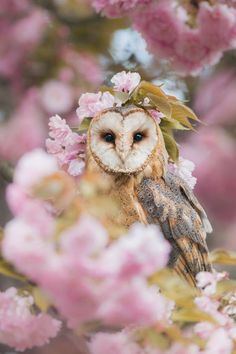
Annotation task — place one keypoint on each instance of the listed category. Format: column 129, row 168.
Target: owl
column 126, row 146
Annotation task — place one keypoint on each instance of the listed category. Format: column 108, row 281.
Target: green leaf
column 179, row 110
column 221, row 256
column 145, row 88
column 190, row 315
column 152, row 337
column 8, row 270
column 84, row 125
column 226, row 286
column 161, row 104
column 167, row 126
column 171, row 146
column 174, row 287
column 40, row 299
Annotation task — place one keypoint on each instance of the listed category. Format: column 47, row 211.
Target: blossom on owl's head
column 128, row 90
column 92, row 103
column 126, row 82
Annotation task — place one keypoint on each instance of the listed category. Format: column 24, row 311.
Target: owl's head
column 123, row 141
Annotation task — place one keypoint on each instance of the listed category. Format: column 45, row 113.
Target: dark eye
column 138, row 137
column 109, row 137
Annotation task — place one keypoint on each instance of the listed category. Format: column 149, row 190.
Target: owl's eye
column 138, row 137
column 109, row 137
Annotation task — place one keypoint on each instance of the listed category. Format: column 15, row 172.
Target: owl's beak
column 123, row 154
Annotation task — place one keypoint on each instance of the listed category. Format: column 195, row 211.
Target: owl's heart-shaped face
column 123, row 142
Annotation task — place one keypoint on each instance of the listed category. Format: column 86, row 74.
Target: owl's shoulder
column 170, row 198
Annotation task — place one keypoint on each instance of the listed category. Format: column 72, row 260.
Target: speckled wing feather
column 170, row 203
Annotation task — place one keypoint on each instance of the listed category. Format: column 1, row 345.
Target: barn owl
column 126, row 146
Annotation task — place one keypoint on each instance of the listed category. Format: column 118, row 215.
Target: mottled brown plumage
column 145, row 190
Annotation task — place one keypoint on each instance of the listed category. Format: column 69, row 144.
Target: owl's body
column 126, row 146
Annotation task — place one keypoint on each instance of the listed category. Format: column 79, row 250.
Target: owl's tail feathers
column 188, row 259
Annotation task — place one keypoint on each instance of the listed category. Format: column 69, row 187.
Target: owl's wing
column 171, row 204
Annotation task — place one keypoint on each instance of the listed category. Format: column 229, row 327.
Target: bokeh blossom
column 190, row 36
column 55, row 267
column 33, row 167
column 57, row 97
column 126, row 82
column 19, row 327
column 55, row 272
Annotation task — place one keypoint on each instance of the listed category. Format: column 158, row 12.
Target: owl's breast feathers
column 170, row 203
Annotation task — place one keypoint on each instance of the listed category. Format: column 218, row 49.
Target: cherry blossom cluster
column 57, row 267
column 190, row 41
column 69, row 147
column 90, row 278
column 92, row 103
column 219, row 334
column 19, row 327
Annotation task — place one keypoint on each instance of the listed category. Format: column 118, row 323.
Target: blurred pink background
column 52, row 51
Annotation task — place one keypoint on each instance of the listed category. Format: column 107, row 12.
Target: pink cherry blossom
column 211, row 306
column 117, row 8
column 90, row 68
column 118, row 343
column 219, row 343
column 30, row 29
column 84, row 63
column 179, row 348
column 190, row 52
column 76, row 167
column 157, row 115
column 57, row 96
column 146, row 305
column 165, row 27
column 14, row 6
column 67, row 146
column 33, row 167
column 77, row 263
column 223, row 324
column 204, row 329
column 82, row 239
column 207, row 281
column 25, row 246
column 25, row 126
column 59, row 129
column 126, row 81
column 143, row 250
column 217, row 26
column 160, row 26
column 32, row 210
column 92, row 103
column 183, row 169
column 21, row 329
